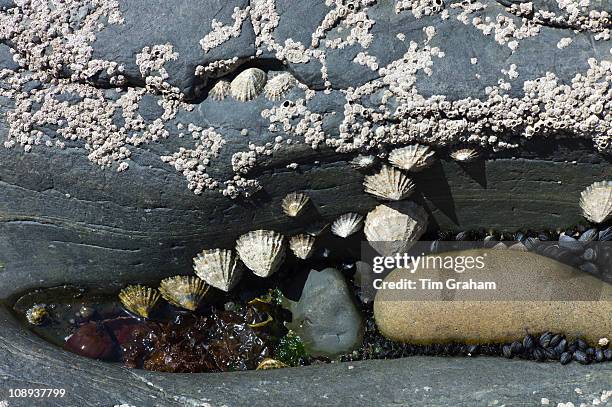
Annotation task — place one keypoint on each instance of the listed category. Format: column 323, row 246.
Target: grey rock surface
column 64, row 218
column 58, row 226
column 326, row 316
column 180, row 24
column 28, row 362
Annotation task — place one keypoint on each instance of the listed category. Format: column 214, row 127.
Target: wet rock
column 326, row 317
column 145, row 218
column 533, row 294
column 6, row 58
column 107, row 384
column 84, row 223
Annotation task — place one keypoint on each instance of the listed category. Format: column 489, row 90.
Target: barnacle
column 390, row 183
column 363, row 162
column 221, row 90
column 262, row 251
column 139, row 300
column 347, row 224
column 248, row 84
column 302, row 246
column 596, row 202
column 278, row 86
column 183, row 291
column 218, row 267
column 294, row 203
column 412, row 158
column 464, row 155
column 37, row 314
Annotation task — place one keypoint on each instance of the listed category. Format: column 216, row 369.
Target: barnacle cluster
column 54, row 47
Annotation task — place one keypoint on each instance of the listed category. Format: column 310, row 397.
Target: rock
column 326, row 317
column 534, row 294
column 91, row 227
column 182, row 25
column 6, row 58
column 64, row 218
column 6, row 4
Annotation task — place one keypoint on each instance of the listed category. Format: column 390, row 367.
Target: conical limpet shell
column 412, row 158
column 302, row 246
column 248, row 84
column 464, row 155
column 347, row 224
column 139, row 300
column 390, row 183
column 596, row 202
column 262, row 251
column 221, row 90
column 395, row 227
column 183, row 291
column 218, row 267
column 278, row 86
column 294, row 203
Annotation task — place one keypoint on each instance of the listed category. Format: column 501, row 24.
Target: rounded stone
column 534, row 294
column 326, row 317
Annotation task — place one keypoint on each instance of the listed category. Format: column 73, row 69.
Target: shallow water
column 225, row 331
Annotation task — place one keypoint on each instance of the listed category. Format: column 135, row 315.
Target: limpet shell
column 278, row 86
column 248, row 84
column 139, row 300
column 347, row 224
column 596, row 202
column 395, row 227
column 302, row 246
column 464, row 155
column 412, row 158
column 221, row 90
column 218, row 268
column 390, row 183
column 294, row 203
column 183, row 291
column 262, row 251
